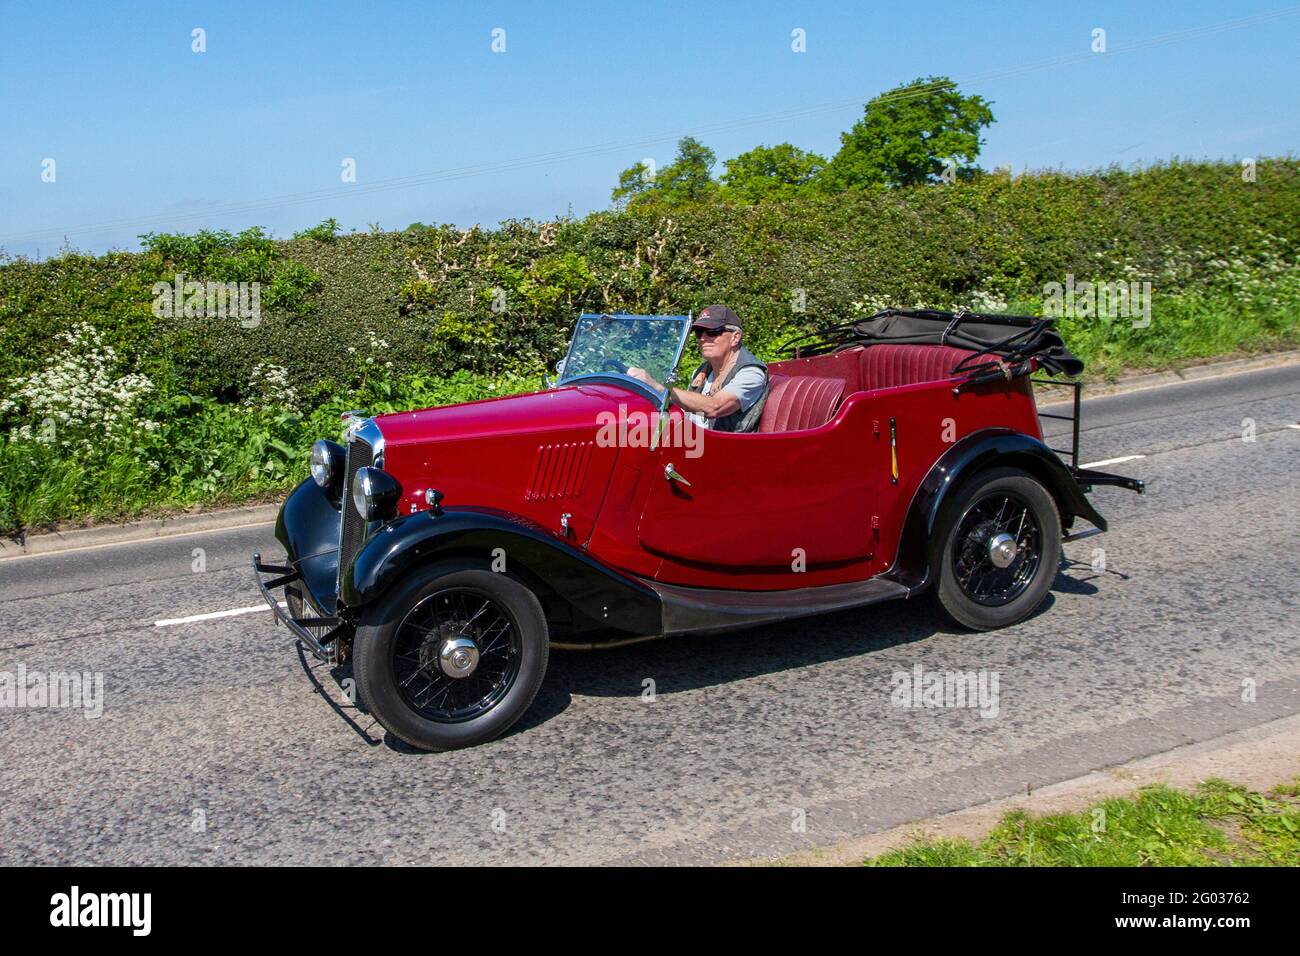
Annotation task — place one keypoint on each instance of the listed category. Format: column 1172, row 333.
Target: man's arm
column 744, row 389
column 718, row 405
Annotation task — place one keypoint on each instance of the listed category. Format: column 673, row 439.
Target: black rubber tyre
column 972, row 588
column 403, row 679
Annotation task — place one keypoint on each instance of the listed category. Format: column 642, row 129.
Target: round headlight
column 375, row 493
column 326, row 463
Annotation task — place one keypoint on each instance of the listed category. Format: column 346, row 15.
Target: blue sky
column 150, row 136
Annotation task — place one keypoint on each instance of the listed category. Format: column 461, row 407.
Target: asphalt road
column 218, row 744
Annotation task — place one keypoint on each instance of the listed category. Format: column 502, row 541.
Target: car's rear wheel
column 452, row 657
column 997, row 550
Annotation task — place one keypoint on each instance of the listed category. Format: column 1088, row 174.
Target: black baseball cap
column 715, row 317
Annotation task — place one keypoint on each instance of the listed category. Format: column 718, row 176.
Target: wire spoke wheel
column 456, row 654
column 997, row 549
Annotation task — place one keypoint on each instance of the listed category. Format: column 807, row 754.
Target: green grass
column 1243, row 314
column 1216, row 825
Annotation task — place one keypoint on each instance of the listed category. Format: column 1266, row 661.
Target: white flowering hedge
column 82, row 401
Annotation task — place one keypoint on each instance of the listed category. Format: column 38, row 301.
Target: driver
column 729, row 388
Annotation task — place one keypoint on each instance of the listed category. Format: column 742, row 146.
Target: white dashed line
column 1112, row 461
column 213, row 615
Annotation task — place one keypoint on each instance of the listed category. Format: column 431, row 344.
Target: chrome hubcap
column 996, row 552
column 1002, row 550
column 458, row 657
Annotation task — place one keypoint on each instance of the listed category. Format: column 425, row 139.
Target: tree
column 686, row 179
column 910, row 135
column 770, row 172
column 633, row 182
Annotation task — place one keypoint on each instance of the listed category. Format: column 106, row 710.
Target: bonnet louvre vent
column 559, row 471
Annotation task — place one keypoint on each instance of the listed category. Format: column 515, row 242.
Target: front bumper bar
column 297, row 625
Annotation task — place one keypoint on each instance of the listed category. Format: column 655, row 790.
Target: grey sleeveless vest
column 744, row 420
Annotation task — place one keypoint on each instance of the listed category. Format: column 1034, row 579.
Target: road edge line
column 131, row 532
column 1192, row 373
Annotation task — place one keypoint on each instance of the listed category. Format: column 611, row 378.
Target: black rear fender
column 989, row 448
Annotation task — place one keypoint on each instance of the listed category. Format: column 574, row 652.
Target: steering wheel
column 615, row 365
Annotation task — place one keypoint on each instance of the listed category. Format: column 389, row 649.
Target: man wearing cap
column 727, row 391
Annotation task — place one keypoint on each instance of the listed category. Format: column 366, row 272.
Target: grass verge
column 1218, row 824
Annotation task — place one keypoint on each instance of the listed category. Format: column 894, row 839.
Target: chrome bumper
column 298, row 626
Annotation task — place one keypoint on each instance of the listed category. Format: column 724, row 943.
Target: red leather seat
column 796, row 402
column 885, row 366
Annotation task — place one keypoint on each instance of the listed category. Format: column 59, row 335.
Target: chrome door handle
column 672, row 474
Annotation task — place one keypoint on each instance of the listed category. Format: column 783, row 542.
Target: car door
column 763, row 509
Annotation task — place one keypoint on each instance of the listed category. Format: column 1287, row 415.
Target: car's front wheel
column 452, row 657
column 997, row 550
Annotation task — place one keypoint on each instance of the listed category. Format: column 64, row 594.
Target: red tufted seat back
column 885, row 366
column 800, row 401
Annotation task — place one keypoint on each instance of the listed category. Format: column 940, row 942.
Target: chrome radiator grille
column 352, row 533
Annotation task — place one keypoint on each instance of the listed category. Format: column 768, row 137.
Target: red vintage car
column 445, row 551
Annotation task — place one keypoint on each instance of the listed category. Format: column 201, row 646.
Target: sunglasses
column 712, row 333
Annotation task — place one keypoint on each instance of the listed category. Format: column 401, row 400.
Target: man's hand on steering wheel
column 641, row 375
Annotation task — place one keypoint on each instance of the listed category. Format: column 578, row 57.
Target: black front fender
column 605, row 598
column 992, row 447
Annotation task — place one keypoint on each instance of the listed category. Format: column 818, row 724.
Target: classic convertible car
column 446, row 551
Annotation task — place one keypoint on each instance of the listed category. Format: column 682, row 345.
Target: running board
column 704, row 610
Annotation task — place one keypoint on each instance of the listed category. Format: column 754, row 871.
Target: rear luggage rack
column 1086, row 477
column 1073, row 417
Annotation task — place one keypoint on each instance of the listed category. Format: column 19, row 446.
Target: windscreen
column 611, row 344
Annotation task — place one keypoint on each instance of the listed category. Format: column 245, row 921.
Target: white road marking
column 157, row 537
column 214, row 615
column 1111, row 461
column 1288, row 358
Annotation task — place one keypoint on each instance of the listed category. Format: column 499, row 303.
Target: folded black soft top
column 998, row 340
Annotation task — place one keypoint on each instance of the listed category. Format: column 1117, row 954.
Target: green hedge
column 429, row 291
